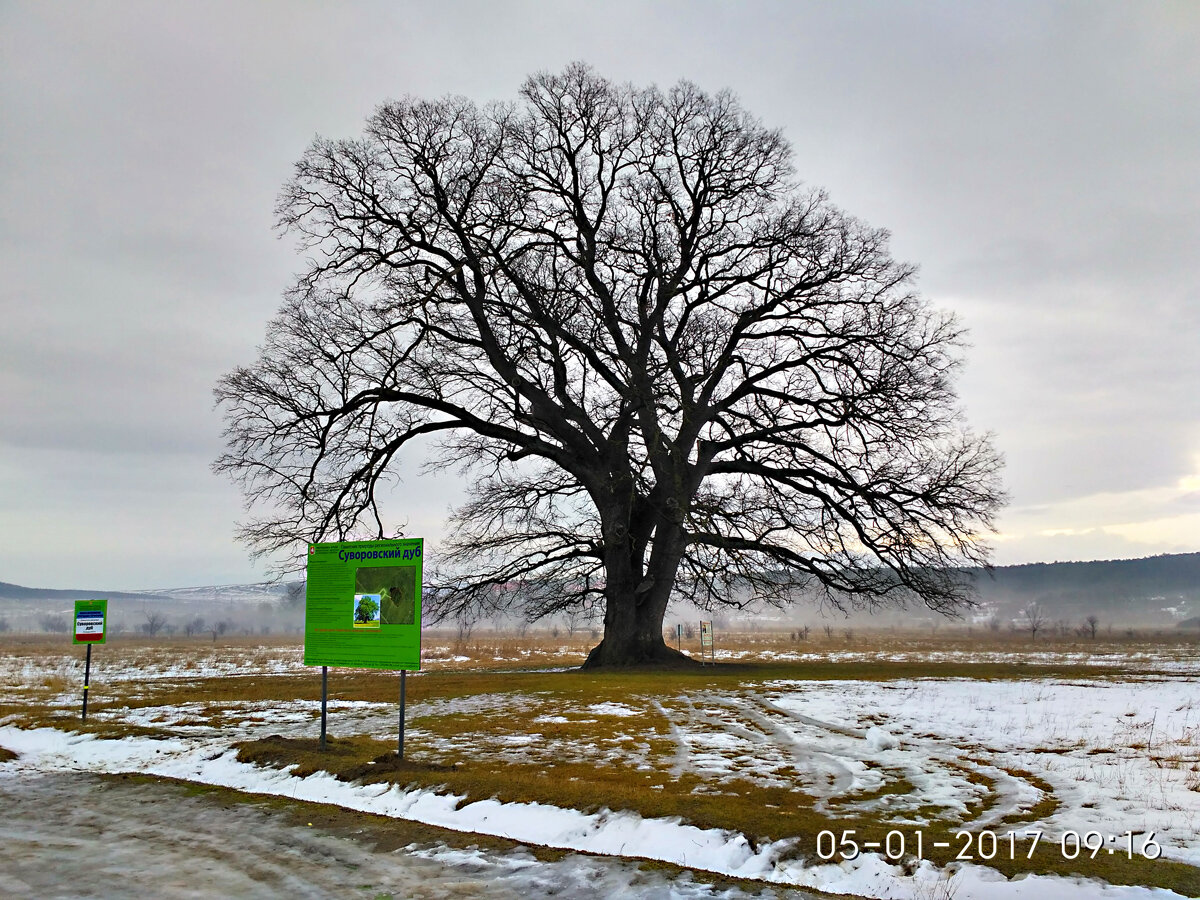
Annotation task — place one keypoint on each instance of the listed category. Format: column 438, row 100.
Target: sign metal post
column 324, row 696
column 87, row 677
column 400, row 748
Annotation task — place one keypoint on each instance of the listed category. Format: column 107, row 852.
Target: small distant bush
column 54, row 624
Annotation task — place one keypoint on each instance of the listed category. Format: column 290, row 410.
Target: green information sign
column 363, row 605
column 91, row 621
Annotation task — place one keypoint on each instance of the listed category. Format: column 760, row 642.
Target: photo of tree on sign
column 366, row 610
column 396, row 589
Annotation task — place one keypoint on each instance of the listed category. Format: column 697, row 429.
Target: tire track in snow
column 679, row 763
column 1008, row 793
column 827, row 774
column 834, row 762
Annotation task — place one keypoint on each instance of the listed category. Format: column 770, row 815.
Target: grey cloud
column 1038, row 160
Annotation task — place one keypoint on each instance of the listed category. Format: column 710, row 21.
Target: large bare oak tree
column 667, row 369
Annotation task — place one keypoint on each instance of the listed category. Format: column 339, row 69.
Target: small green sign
column 362, row 605
column 91, row 621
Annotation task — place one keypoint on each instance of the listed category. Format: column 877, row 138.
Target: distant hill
column 222, row 593
column 1113, row 578
column 265, row 592
column 1154, row 588
column 1154, row 591
column 17, row 592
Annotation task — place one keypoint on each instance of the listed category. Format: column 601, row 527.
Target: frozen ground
column 151, row 663
column 77, row 836
column 1115, row 755
column 1179, row 660
column 152, row 839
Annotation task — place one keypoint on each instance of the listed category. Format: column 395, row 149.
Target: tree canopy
column 666, row 368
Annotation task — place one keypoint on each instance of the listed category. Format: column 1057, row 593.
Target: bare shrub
column 1035, row 618
column 53, row 623
column 155, row 622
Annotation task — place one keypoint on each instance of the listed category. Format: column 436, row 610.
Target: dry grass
column 585, row 761
column 491, row 649
column 760, row 813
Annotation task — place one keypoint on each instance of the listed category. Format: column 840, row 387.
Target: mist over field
column 1154, row 593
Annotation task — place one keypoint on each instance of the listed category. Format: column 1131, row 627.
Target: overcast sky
column 1040, row 162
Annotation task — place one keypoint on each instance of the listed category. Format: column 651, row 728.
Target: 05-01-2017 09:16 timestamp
column 985, row 845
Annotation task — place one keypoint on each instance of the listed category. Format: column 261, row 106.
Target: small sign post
column 91, row 620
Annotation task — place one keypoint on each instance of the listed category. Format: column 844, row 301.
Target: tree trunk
column 634, row 640
column 633, row 617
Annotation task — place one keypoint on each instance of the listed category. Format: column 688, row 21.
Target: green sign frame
column 90, row 625
column 362, row 605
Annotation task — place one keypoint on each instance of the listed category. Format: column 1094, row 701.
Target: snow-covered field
column 1110, row 755
column 1184, row 661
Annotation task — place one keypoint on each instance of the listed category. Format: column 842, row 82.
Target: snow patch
column 613, row 709
column 878, row 739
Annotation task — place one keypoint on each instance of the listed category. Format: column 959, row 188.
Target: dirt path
column 81, row 836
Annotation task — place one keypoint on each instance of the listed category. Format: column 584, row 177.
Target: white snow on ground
column 1120, row 756
column 607, row 833
column 255, row 718
column 1181, row 662
column 613, row 709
